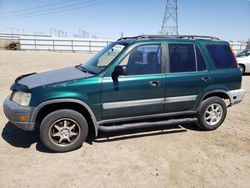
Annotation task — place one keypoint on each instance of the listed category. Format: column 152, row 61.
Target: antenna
column 170, row 20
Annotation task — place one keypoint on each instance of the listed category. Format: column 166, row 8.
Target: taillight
column 234, row 57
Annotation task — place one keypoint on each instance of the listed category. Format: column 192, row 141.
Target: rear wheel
column 63, row 130
column 212, row 113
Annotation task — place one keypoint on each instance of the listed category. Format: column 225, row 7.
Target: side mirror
column 119, row 70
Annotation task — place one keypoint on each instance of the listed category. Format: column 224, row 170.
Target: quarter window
column 222, row 56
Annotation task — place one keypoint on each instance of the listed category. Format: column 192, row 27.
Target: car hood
column 52, row 77
column 243, row 59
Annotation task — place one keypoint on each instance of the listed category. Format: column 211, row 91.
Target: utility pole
column 170, row 20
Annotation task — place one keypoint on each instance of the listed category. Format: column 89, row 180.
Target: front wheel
column 63, row 130
column 212, row 113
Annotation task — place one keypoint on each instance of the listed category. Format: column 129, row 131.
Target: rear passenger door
column 187, row 77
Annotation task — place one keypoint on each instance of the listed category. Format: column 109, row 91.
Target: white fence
column 63, row 44
column 41, row 42
column 44, row 42
column 80, row 44
column 16, row 36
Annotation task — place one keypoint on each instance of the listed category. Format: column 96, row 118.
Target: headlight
column 21, row 98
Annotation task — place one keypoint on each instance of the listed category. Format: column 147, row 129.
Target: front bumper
column 236, row 96
column 13, row 112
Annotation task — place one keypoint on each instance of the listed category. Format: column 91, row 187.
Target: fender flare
column 55, row 101
column 213, row 92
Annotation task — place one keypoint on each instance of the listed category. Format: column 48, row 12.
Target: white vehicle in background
column 243, row 59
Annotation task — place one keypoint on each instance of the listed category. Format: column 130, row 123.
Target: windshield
column 102, row 59
column 243, row 54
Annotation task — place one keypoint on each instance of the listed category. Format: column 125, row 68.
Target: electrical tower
column 58, row 33
column 170, row 20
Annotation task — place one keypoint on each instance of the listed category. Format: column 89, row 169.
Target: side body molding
column 56, row 101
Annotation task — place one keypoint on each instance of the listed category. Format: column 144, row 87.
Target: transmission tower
column 170, row 20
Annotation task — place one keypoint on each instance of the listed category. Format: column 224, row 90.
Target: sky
column 226, row 19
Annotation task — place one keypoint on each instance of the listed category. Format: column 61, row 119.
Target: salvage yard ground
column 170, row 156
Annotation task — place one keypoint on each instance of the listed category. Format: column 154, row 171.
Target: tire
column 63, row 130
column 242, row 68
column 212, row 113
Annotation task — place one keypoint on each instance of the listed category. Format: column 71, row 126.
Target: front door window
column 143, row 60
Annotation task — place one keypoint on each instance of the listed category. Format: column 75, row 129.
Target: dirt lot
column 176, row 156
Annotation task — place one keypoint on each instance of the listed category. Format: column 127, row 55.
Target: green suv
column 134, row 82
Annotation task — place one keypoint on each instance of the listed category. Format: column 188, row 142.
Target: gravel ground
column 170, row 156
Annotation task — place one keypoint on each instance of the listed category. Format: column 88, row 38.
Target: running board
column 123, row 127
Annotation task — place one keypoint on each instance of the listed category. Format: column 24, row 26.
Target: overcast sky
column 226, row 19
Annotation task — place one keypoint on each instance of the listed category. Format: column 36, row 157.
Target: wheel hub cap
column 213, row 114
column 64, row 132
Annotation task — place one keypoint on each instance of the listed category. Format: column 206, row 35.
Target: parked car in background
column 243, row 59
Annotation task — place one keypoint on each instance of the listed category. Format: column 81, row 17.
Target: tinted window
column 200, row 61
column 222, row 56
column 143, row 60
column 182, row 58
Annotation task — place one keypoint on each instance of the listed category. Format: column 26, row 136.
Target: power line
column 61, row 10
column 35, row 8
column 48, row 10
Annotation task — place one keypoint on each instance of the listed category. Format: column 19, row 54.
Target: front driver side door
column 141, row 90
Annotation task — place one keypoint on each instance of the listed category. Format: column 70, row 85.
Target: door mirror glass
column 119, row 70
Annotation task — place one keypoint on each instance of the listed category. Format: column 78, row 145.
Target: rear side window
column 182, row 58
column 222, row 56
column 185, row 58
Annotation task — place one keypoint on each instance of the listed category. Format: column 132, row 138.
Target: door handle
column 154, row 83
column 207, row 79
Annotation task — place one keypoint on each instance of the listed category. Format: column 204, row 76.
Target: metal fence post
column 35, row 43
column 53, row 43
column 89, row 46
column 72, row 46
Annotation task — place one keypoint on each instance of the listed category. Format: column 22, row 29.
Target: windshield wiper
column 83, row 69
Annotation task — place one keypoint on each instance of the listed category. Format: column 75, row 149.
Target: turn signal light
column 23, row 118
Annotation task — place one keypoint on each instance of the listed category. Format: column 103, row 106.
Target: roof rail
column 198, row 37
column 124, row 38
column 170, row 36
